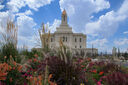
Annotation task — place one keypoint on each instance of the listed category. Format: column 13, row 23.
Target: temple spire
column 64, row 17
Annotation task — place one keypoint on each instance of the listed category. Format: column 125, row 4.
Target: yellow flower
column 82, row 84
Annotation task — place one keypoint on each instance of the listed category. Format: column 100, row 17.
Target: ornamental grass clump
column 45, row 35
column 65, row 73
column 8, row 42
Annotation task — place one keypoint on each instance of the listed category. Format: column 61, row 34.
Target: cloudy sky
column 105, row 22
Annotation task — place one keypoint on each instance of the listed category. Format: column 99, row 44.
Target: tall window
column 80, row 39
column 63, row 39
column 66, row 39
column 51, row 40
column 75, row 40
column 75, row 46
column 80, row 46
column 64, row 18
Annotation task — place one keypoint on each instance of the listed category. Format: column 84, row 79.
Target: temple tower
column 64, row 18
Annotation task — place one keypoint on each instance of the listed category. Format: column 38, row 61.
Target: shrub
column 116, row 78
column 65, row 73
column 8, row 50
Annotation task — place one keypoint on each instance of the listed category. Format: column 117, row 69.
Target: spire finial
column 64, row 12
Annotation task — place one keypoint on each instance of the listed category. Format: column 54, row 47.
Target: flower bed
column 54, row 71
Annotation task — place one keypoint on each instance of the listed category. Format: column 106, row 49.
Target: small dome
column 64, row 12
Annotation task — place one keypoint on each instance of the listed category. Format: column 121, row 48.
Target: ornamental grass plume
column 65, row 73
column 64, row 53
column 45, row 35
column 46, row 73
column 8, row 42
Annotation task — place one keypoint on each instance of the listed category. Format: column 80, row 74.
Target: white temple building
column 76, row 42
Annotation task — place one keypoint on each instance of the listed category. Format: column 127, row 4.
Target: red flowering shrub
column 116, row 78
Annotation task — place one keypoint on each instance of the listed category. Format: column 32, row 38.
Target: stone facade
column 76, row 42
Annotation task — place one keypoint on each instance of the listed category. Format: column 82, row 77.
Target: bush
column 8, row 50
column 65, row 73
column 116, row 78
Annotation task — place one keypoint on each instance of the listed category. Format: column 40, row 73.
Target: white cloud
column 27, row 12
column 55, row 24
column 4, row 16
column 107, row 24
column 99, row 42
column 125, row 32
column 101, row 4
column 26, row 31
column 26, row 25
column 15, row 5
column 80, row 11
column 1, row 7
column 124, row 8
column 35, row 4
column 30, row 41
column 121, row 41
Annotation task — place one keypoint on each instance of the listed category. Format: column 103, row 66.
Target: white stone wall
column 69, row 40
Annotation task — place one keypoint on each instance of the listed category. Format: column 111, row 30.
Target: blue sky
column 105, row 22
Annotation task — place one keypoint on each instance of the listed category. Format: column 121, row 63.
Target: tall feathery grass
column 8, row 42
column 44, row 34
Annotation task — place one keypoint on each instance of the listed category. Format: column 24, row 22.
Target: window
column 51, row 40
column 63, row 39
column 80, row 46
column 75, row 40
column 75, row 46
column 66, row 39
column 80, row 39
column 64, row 17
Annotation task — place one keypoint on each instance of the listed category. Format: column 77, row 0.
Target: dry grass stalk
column 44, row 34
column 63, row 51
column 9, row 33
column 46, row 74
